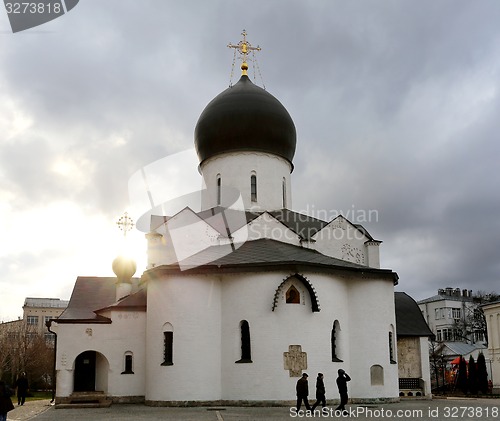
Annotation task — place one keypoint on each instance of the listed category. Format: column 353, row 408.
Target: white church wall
column 426, row 365
column 205, row 312
column 235, row 170
column 492, row 315
column 372, row 314
column 373, row 254
column 250, row 297
column 340, row 239
column 110, row 341
column 188, row 235
column 191, row 305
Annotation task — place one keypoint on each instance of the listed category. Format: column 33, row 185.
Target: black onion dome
column 245, row 117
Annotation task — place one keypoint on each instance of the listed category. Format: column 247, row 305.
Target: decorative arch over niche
column 306, row 283
column 292, row 295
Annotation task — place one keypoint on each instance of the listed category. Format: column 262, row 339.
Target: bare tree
column 471, row 327
column 435, row 360
column 23, row 348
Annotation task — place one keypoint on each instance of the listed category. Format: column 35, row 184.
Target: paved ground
column 421, row 410
column 28, row 411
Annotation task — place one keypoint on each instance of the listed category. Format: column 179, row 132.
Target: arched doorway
column 85, row 372
column 91, row 372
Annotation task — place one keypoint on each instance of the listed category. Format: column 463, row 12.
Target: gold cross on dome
column 244, row 47
column 125, row 223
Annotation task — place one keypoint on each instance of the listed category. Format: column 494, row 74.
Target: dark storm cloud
column 395, row 104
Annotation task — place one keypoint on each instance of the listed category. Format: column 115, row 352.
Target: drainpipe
column 48, row 323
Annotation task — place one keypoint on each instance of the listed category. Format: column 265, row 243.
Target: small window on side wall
column 219, row 188
column 335, row 342
column 292, row 296
column 168, row 348
column 128, row 362
column 284, row 192
column 246, row 354
column 253, row 188
column 391, row 349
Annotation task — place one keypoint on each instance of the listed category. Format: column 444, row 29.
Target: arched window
column 253, row 188
column 128, row 363
column 391, row 348
column 219, row 188
column 292, row 296
column 284, row 193
column 168, row 344
column 246, row 354
column 335, row 342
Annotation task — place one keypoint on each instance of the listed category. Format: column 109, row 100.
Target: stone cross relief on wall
column 295, row 360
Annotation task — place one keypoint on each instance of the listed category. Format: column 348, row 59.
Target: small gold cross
column 125, row 223
column 244, row 47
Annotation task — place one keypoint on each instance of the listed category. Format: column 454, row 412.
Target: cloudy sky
column 396, row 105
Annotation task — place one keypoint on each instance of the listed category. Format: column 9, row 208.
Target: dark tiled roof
column 265, row 253
column 135, row 301
column 304, row 225
column 90, row 294
column 409, row 319
column 262, row 252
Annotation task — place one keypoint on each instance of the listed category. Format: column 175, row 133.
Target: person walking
column 302, row 392
column 5, row 402
column 342, row 380
column 22, row 388
column 320, row 392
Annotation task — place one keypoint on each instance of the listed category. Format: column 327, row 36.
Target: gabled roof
column 461, row 348
column 265, row 253
column 409, row 319
column 224, row 219
column 435, row 298
column 90, row 294
column 304, row 225
column 135, row 301
column 491, row 303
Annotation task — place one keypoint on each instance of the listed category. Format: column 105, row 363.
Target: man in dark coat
column 22, row 388
column 342, row 380
column 320, row 392
column 5, row 402
column 303, row 392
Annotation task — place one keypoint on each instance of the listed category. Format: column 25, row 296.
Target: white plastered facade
column 205, row 312
column 492, row 315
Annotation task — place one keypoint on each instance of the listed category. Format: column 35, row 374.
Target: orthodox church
column 241, row 298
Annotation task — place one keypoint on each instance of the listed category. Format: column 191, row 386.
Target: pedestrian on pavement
column 320, row 392
column 22, row 388
column 302, row 392
column 342, row 380
column 5, row 402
